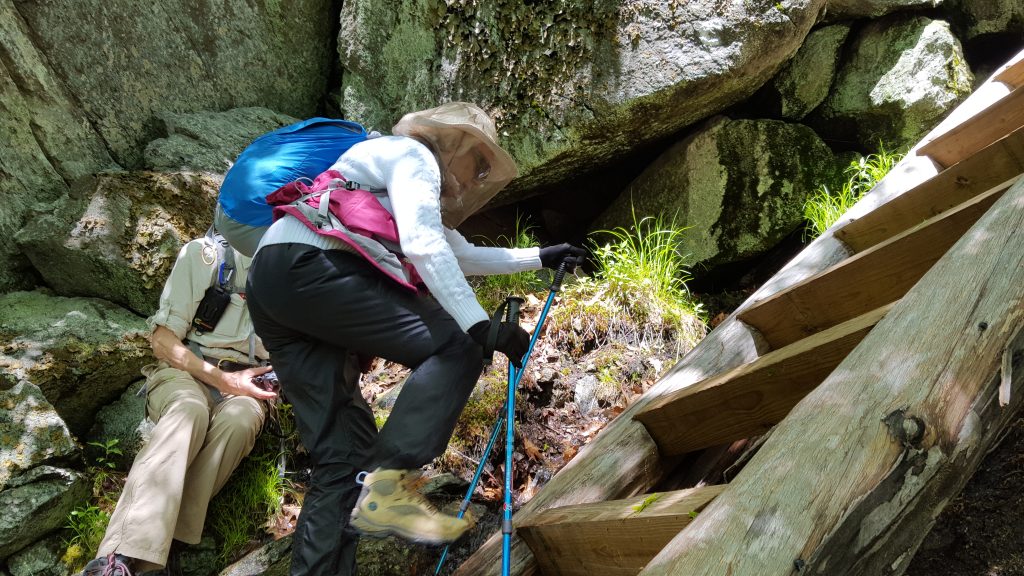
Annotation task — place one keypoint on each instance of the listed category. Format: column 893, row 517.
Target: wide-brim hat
column 433, row 123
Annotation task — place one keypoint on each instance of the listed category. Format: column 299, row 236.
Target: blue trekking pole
column 507, row 414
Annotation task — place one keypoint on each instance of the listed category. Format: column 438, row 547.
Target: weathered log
column 851, row 480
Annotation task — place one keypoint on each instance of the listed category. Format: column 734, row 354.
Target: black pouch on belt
column 215, row 301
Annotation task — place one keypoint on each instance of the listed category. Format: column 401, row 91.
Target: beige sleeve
column 191, row 276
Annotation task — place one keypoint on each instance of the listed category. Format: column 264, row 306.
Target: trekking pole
column 510, row 432
column 556, row 285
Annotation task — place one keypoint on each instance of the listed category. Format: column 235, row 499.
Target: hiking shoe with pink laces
column 389, row 504
column 109, row 565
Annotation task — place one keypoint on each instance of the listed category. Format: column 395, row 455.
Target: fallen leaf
column 531, row 449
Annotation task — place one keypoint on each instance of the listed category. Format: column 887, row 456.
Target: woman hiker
column 383, row 274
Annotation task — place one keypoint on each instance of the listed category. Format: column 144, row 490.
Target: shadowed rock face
column 572, row 86
column 740, row 185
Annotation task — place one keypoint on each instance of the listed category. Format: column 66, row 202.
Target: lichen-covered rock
column 903, row 76
column 849, row 9
column 31, row 432
column 573, row 85
column 40, row 559
column 209, row 141
column 47, row 141
column 125, row 61
column 37, row 503
column 740, row 185
column 117, row 236
column 123, row 420
column 804, row 83
column 82, row 353
column 263, row 560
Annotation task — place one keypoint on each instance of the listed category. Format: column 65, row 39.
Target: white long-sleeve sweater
column 442, row 257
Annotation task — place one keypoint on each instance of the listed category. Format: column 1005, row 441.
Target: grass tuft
column 637, row 295
column 825, row 207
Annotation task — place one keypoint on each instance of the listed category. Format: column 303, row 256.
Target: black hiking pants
column 314, row 310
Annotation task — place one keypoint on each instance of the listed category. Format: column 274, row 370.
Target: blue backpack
column 300, row 150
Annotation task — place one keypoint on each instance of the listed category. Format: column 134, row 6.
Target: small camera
column 268, row 381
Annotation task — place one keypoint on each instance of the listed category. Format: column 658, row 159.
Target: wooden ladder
column 594, row 517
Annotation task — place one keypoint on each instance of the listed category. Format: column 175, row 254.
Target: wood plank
column 1001, row 118
column 851, row 481
column 615, row 538
column 1013, row 74
column 749, row 400
column 865, row 281
column 995, row 166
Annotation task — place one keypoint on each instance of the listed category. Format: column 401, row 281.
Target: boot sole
column 373, row 530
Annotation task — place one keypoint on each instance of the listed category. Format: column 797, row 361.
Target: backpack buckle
column 351, row 185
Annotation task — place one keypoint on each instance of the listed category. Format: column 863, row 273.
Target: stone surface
column 82, row 353
column 903, row 76
column 263, row 559
column 47, row 140
column 740, row 185
column 209, row 141
column 850, row 9
column 572, row 85
column 805, row 81
column 36, row 503
column 123, row 420
column 117, row 236
column 40, row 559
column 981, row 18
column 127, row 61
column 31, row 432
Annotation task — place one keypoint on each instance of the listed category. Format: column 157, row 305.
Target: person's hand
column 240, row 383
column 553, row 256
column 512, row 340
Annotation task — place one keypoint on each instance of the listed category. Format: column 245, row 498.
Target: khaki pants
column 195, row 446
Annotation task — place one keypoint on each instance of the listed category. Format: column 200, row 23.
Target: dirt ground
column 981, row 532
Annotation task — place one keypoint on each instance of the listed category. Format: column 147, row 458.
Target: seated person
column 206, row 407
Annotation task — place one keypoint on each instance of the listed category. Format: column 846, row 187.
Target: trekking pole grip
column 514, row 303
column 556, row 284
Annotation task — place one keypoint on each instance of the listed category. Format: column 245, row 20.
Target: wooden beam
column 995, row 166
column 749, row 400
column 1001, row 118
column 851, row 481
column 866, row 281
column 615, row 538
column 1013, row 74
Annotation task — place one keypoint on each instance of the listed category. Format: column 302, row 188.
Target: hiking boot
column 388, row 504
column 110, row 565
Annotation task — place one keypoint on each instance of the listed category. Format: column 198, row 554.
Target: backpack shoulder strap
column 225, row 261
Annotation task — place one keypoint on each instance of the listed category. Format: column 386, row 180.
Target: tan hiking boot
column 389, row 504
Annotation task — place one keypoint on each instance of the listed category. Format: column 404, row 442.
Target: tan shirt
column 196, row 270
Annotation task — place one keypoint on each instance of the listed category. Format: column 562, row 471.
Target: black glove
column 553, row 256
column 512, row 340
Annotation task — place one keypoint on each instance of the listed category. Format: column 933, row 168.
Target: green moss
column 516, row 51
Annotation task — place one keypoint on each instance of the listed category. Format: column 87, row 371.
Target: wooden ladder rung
column 750, row 399
column 613, row 538
column 865, row 281
column 999, row 119
column 992, row 167
column 1013, row 74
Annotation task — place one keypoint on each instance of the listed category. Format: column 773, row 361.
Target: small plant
column 87, row 524
column 825, row 207
column 110, row 449
column 638, row 293
column 492, row 290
